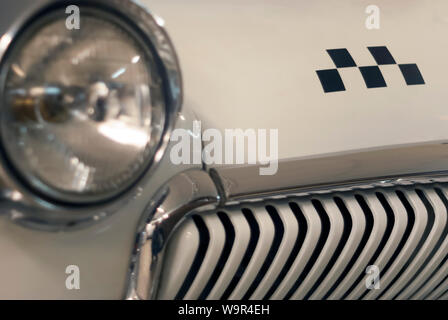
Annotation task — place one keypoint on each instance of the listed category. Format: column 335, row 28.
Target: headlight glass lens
column 83, row 110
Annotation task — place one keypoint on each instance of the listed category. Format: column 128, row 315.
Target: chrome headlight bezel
column 150, row 30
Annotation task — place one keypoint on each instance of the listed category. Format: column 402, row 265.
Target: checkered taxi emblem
column 331, row 80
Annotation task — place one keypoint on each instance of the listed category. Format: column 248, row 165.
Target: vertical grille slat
column 309, row 273
column 315, row 247
column 385, row 208
column 278, row 235
column 438, row 259
column 404, row 212
column 433, row 231
column 434, row 280
column 302, row 228
column 288, row 245
column 366, row 226
column 444, row 296
column 204, row 239
column 176, row 272
column 378, row 221
column 434, row 244
column 312, row 237
column 216, row 241
column 327, row 256
column 392, row 205
column 260, row 254
column 352, row 247
column 254, row 236
column 416, row 225
column 439, row 290
column 347, row 224
column 426, row 220
column 243, row 236
column 314, row 214
column 230, row 238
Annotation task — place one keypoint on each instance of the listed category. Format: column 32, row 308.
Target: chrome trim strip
column 425, row 161
column 194, row 191
column 385, row 182
column 190, row 191
column 39, row 212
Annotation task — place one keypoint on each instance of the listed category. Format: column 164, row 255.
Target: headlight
column 83, row 111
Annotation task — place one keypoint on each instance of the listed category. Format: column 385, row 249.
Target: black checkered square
column 373, row 77
column 411, row 74
column 331, row 80
column 341, row 58
column 381, row 55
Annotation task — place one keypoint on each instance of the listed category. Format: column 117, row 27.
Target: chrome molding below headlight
column 191, row 190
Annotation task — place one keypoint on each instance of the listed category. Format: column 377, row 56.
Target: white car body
column 252, row 64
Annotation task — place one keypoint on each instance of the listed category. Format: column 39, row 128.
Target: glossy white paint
column 252, row 64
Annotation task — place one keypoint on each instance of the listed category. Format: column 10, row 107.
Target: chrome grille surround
column 217, row 190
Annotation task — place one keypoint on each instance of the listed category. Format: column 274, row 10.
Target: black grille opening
column 204, row 239
column 429, row 225
column 230, row 239
column 278, row 236
column 345, row 234
column 254, row 236
column 390, row 225
column 325, row 221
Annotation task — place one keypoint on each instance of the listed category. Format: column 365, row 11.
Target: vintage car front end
column 111, row 169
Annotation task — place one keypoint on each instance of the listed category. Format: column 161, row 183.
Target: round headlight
column 83, row 111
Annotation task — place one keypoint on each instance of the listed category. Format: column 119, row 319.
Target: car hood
column 252, row 64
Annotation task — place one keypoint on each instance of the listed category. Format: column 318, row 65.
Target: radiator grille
column 315, row 247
